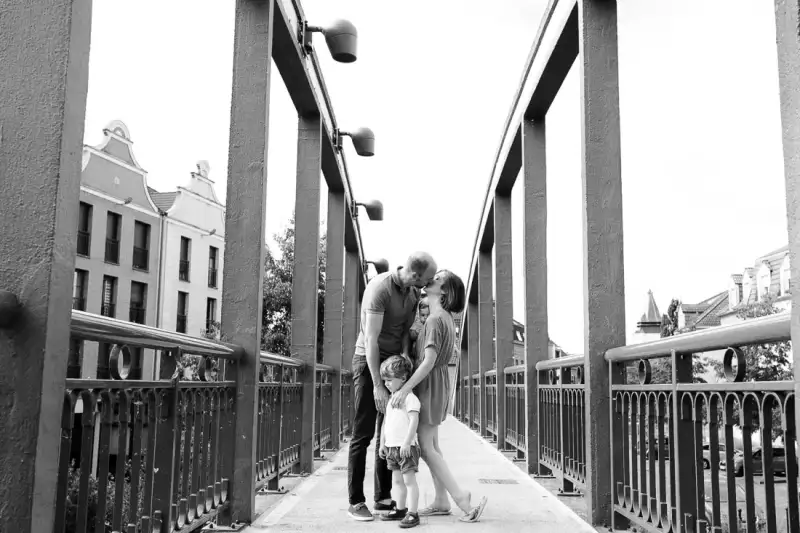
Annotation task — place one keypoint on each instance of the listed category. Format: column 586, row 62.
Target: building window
column 211, row 313
column 108, row 307
column 79, row 287
column 763, row 280
column 213, row 257
column 786, row 276
column 183, row 266
column 74, row 358
column 84, row 229
column 141, row 245
column 113, row 227
column 138, row 302
column 747, row 288
column 183, row 306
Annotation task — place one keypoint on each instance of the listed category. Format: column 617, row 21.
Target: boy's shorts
column 404, row 464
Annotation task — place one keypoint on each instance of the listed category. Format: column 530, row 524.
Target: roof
column 162, row 200
column 651, row 313
column 737, row 278
column 783, row 249
column 711, row 316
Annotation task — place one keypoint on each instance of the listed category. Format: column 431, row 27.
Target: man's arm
column 371, row 333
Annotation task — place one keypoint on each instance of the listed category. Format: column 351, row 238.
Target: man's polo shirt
column 385, row 295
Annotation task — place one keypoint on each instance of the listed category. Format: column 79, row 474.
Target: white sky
column 702, row 161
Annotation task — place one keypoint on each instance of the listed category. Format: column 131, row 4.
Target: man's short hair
column 395, row 367
column 419, row 263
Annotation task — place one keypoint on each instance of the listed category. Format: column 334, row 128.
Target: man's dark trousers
column 366, row 416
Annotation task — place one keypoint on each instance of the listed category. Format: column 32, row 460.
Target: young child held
column 399, row 445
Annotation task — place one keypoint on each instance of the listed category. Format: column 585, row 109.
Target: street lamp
column 381, row 265
column 341, row 37
column 374, row 209
column 363, row 141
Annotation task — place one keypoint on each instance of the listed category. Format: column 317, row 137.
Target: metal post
column 537, row 337
column 787, row 20
column 42, row 109
column 504, row 306
column 350, row 322
column 485, row 323
column 245, row 216
column 334, row 278
column 305, row 280
column 603, row 267
column 474, row 357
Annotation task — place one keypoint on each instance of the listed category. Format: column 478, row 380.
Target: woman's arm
column 423, row 370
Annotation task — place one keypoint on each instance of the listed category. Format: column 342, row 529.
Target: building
column 145, row 256
column 648, row 328
column 118, row 245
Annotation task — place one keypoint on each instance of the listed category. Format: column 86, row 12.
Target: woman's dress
column 439, row 333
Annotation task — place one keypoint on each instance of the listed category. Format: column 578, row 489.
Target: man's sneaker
column 410, row 520
column 384, row 507
column 360, row 512
column 395, row 514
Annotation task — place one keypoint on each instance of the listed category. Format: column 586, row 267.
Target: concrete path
column 319, row 502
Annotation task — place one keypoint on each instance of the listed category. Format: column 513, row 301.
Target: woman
column 445, row 297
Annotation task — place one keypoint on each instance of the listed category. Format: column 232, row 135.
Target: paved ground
column 319, row 502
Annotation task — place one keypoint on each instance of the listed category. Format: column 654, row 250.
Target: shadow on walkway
column 516, row 502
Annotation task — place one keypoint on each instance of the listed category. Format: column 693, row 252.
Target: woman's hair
column 395, row 367
column 453, row 294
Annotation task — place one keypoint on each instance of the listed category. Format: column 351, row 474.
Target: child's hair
column 422, row 304
column 453, row 294
column 395, row 367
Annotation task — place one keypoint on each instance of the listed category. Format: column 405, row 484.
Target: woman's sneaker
column 410, row 520
column 360, row 512
column 395, row 514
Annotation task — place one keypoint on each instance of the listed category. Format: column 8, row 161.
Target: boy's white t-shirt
column 396, row 421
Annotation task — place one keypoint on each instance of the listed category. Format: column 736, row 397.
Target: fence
column 158, row 455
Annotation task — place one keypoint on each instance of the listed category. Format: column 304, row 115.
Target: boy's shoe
column 410, row 520
column 360, row 512
column 395, row 514
column 384, row 507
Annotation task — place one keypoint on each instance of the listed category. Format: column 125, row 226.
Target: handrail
column 773, row 328
column 492, row 372
column 561, row 362
column 275, row 359
column 101, row 328
column 324, row 368
column 514, row 369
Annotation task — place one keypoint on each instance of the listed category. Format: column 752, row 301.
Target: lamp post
column 374, row 209
column 363, row 141
column 381, row 265
column 341, row 37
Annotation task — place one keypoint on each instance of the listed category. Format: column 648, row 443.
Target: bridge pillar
column 245, row 219
column 604, row 280
column 43, row 90
column 504, row 306
column 334, row 277
column 473, row 334
column 305, row 278
column 537, row 336
column 485, row 328
column 787, row 19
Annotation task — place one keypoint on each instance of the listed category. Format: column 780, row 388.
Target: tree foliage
column 276, row 318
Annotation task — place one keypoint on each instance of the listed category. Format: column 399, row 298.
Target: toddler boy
column 399, row 445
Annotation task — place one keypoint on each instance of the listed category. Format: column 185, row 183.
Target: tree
column 669, row 322
column 276, row 318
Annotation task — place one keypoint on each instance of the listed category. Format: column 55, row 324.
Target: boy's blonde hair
column 395, row 367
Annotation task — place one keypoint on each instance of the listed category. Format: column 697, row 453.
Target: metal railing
column 84, row 243
column 183, row 270
column 137, row 314
column 112, row 251
column 141, row 258
column 159, row 455
column 180, row 323
column 515, row 412
column 212, row 278
column 109, row 310
column 491, row 402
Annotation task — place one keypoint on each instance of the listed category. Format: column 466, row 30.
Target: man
column 387, row 312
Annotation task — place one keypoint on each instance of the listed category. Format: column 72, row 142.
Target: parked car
column 707, row 454
column 778, row 461
column 741, row 508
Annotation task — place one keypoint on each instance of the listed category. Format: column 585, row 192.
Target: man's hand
column 381, row 394
column 405, row 451
column 383, row 452
column 399, row 398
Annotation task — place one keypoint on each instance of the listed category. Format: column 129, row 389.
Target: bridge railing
column 159, row 455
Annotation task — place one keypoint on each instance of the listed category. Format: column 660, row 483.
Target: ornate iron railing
column 491, row 402
column 515, row 411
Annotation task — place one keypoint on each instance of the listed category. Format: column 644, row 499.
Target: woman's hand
column 399, row 398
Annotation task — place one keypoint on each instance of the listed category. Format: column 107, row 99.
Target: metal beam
column 485, row 319
column 537, row 337
column 603, row 265
column 473, row 333
column 42, row 110
column 245, row 216
column 504, row 306
column 334, row 283
column 305, row 279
